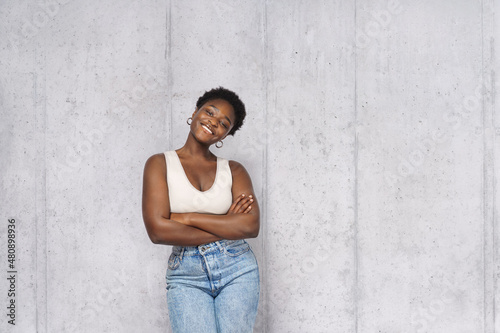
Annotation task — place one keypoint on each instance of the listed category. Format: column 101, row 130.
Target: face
column 213, row 121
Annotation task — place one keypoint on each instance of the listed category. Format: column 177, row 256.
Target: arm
column 245, row 223
column 156, row 210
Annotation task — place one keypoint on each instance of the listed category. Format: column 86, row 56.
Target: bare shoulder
column 156, row 162
column 236, row 167
column 238, row 170
column 242, row 183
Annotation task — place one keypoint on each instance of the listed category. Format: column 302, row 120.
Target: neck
column 195, row 149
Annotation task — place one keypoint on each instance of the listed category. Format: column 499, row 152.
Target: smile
column 208, row 130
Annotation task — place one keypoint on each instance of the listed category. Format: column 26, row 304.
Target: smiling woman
column 205, row 206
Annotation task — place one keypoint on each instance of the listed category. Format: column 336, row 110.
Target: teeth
column 207, row 129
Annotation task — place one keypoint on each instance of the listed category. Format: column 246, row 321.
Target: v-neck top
column 185, row 198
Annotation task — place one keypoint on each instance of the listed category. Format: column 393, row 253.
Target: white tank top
column 185, row 198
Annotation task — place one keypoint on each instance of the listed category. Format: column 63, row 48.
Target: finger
column 249, row 208
column 243, row 205
column 236, row 202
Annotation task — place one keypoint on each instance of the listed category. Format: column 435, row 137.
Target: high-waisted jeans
column 213, row 288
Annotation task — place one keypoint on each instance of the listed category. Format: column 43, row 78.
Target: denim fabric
column 213, row 288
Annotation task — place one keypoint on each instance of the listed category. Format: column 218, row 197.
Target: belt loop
column 219, row 245
column 182, row 253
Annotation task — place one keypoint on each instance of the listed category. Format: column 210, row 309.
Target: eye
column 223, row 124
column 209, row 112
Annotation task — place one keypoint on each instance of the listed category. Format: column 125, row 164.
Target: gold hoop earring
column 221, row 144
column 188, row 120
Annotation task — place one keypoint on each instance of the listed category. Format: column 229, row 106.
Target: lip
column 207, row 129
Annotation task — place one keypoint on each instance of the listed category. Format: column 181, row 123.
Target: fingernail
column 242, row 195
column 251, row 200
column 250, row 196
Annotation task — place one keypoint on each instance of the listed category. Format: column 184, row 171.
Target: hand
column 180, row 217
column 242, row 204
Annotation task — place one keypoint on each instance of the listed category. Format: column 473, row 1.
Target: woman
column 205, row 207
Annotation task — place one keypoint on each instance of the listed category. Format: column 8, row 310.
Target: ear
column 195, row 110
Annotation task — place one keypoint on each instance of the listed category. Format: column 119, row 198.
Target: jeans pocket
column 237, row 248
column 173, row 261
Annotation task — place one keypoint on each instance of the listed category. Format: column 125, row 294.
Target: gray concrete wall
column 372, row 141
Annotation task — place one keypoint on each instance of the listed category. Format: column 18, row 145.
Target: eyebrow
column 224, row 115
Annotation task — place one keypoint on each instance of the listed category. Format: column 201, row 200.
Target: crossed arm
column 192, row 229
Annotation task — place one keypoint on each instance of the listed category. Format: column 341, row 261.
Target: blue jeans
column 213, row 288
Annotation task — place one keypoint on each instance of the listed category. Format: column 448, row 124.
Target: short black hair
column 230, row 97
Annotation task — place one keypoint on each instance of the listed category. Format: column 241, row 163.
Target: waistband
column 205, row 248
